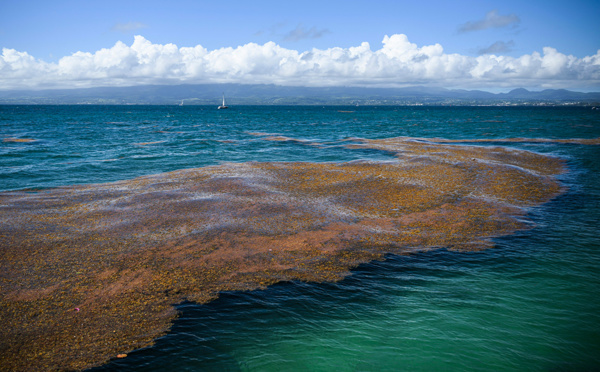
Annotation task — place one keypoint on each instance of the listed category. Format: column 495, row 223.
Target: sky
column 489, row 45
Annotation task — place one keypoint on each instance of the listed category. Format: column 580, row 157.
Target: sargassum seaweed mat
column 92, row 272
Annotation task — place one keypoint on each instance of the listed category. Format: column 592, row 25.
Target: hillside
column 237, row 94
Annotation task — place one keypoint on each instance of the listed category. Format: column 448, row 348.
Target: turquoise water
column 530, row 303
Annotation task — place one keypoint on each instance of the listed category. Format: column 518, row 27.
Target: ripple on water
column 256, row 234
column 378, row 319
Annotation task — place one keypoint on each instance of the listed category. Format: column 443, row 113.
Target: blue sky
column 48, row 31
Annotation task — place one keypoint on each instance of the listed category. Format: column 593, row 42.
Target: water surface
column 529, row 303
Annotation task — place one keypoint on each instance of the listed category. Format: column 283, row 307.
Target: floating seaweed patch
column 19, row 140
column 123, row 253
column 148, row 143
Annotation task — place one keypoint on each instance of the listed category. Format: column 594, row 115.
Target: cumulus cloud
column 397, row 63
column 497, row 48
column 300, row 33
column 492, row 20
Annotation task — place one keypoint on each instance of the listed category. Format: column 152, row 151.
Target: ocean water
column 530, row 303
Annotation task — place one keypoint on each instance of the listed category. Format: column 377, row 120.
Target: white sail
column 223, row 106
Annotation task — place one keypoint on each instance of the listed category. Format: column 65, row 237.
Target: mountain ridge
column 261, row 94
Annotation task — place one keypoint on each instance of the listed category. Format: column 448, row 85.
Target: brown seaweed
column 90, row 273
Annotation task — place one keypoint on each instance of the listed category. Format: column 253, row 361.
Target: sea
column 530, row 303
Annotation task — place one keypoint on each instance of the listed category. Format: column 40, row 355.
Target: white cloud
column 492, row 20
column 398, row 63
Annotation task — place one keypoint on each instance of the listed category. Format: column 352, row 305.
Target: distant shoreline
column 590, row 105
column 239, row 94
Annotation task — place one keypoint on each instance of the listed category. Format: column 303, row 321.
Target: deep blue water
column 530, row 303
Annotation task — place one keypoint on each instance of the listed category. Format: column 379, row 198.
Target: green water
column 530, row 303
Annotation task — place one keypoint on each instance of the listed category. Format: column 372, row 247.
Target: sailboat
column 223, row 105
